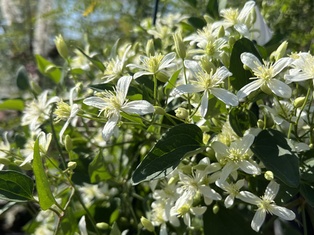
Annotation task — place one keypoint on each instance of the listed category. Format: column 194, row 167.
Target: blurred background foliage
column 28, row 27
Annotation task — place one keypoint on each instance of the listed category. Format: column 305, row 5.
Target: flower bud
column 150, row 48
column 61, row 47
column 159, row 110
column 72, row 165
column 215, row 209
column 280, row 52
column 147, row 224
column 179, row 45
column 298, row 102
column 162, row 76
column 68, row 143
column 221, row 32
column 102, row 225
column 182, row 113
column 207, row 65
column 269, row 175
column 260, row 123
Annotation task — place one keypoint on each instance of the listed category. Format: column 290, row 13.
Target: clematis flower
column 37, row 111
column 232, row 189
column 237, row 156
column 265, row 76
column 208, row 83
column 303, row 68
column 266, row 205
column 112, row 103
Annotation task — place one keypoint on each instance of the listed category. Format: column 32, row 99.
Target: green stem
column 155, row 89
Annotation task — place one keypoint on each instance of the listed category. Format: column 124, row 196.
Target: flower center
column 265, row 204
column 231, row 15
column 265, row 71
column 153, row 63
column 236, row 155
column 62, row 111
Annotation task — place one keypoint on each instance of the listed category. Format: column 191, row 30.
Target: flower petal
column 250, row 60
column 258, row 219
column 229, row 201
column 110, row 126
column 271, row 190
column 249, row 167
column 282, row 212
column 140, row 107
column 249, row 88
column 165, row 62
column 225, row 96
column 188, row 88
column 249, row 197
column 204, row 104
column 123, row 85
column 279, row 88
column 96, row 102
column 281, row 64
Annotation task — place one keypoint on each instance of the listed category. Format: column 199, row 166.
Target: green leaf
column 271, row 147
column 15, row 186
column 307, row 192
column 216, row 106
column 191, row 2
column 48, row 69
column 241, row 120
column 102, row 87
column 94, row 61
column 165, row 156
column 213, row 8
column 239, row 74
column 22, row 80
column 197, row 22
column 46, row 199
column 171, row 83
column 97, row 169
column 14, row 104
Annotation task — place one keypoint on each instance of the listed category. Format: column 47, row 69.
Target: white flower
column 303, row 68
column 5, row 148
column 265, row 205
column 153, row 65
column 265, row 76
column 113, row 103
column 37, row 111
column 208, row 83
column 238, row 155
column 232, row 189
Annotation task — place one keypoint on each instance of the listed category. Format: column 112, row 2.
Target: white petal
column 246, row 142
column 282, row 212
column 227, row 170
column 198, row 210
column 249, row 197
column 204, row 104
column 219, row 148
column 82, row 226
column 249, row 88
column 271, row 190
column 123, row 85
column 140, row 107
column 210, row 193
column 222, row 73
column 299, row 77
column 229, row 201
column 141, row 73
column 242, row 29
column 188, row 88
column 193, row 66
column 279, row 88
column 225, row 96
column 249, row 168
column 258, row 220
column 261, row 32
column 246, row 10
column 281, row 64
column 167, row 60
column 96, row 102
column 109, row 127
column 250, row 60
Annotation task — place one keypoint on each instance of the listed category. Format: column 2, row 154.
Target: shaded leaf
column 22, row 80
column 240, row 76
column 46, row 199
column 213, row 8
column 271, row 147
column 94, row 61
column 97, row 169
column 14, row 104
column 307, row 192
column 241, row 120
column 197, row 22
column 166, row 155
column 15, row 186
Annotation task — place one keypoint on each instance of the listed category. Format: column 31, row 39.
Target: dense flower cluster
column 112, row 122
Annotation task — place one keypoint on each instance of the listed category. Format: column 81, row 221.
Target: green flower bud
column 72, row 165
column 179, row 45
column 102, row 225
column 207, row 65
column 150, row 48
column 269, row 175
column 68, row 143
column 221, row 32
column 260, row 123
column 182, row 113
column 161, row 76
column 215, row 209
column 61, row 47
column 280, row 52
column 147, row 224
column 159, row 110
column 298, row 102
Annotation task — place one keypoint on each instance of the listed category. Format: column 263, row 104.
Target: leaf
column 307, row 192
column 22, row 80
column 212, row 8
column 171, row 83
column 46, row 199
column 48, row 69
column 15, row 186
column 239, row 74
column 216, row 106
column 94, row 61
column 241, row 120
column 97, row 169
column 271, row 147
column 192, row 3
column 197, row 22
column 14, row 104
column 166, row 155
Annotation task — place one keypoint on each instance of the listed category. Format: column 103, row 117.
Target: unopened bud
column 260, row 124
column 280, row 52
column 207, row 65
column 150, row 48
column 269, row 175
column 215, row 209
column 221, row 32
column 161, row 76
column 72, row 165
column 102, row 225
column 147, row 224
column 159, row 110
column 179, row 45
column 298, row 102
column 61, row 47
column 208, row 19
column 68, row 143
column 182, row 113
